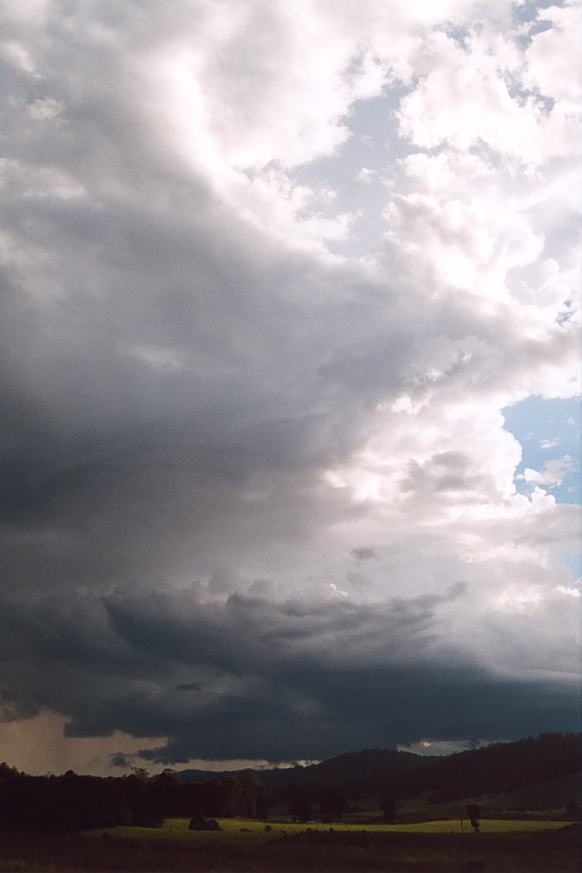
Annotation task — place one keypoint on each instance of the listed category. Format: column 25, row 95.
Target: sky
column 289, row 378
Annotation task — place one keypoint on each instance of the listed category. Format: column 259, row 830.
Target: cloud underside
column 257, row 496
column 256, row 679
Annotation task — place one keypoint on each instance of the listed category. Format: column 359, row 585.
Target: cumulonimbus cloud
column 210, row 371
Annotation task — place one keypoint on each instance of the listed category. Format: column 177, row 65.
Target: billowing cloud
column 226, row 359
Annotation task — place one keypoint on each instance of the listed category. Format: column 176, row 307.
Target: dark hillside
column 498, row 768
column 493, row 769
column 357, row 774
column 555, row 793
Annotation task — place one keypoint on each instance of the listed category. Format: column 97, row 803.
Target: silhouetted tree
column 388, row 807
column 7, row 772
column 298, row 804
column 332, row 804
column 164, row 788
column 252, row 791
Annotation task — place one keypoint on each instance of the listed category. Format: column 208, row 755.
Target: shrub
column 199, row 823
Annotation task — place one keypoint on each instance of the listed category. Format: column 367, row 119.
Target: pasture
column 242, row 830
column 245, row 846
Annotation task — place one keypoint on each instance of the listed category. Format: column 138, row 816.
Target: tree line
column 74, row 803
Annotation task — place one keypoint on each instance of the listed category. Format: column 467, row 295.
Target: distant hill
column 498, row 768
column 353, row 764
column 355, row 773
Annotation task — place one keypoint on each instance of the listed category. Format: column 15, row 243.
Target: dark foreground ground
column 549, row 852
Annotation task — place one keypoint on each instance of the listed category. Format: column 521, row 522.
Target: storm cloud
column 257, row 496
column 255, row 678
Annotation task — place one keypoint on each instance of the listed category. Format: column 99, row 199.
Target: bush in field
column 474, row 813
column 199, row 823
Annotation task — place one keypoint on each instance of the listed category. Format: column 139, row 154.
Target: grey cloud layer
column 249, row 677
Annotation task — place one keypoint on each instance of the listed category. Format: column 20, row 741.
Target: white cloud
column 465, row 100
column 366, row 175
column 549, row 444
column 569, row 591
column 553, row 63
column 46, row 109
column 552, row 473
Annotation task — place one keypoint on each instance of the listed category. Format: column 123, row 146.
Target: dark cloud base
column 247, row 677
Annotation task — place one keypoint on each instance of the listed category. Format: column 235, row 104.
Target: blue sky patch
column 548, row 430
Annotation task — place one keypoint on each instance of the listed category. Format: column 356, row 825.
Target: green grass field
column 245, row 830
column 244, row 846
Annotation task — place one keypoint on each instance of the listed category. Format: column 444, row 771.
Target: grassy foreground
column 245, row 847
